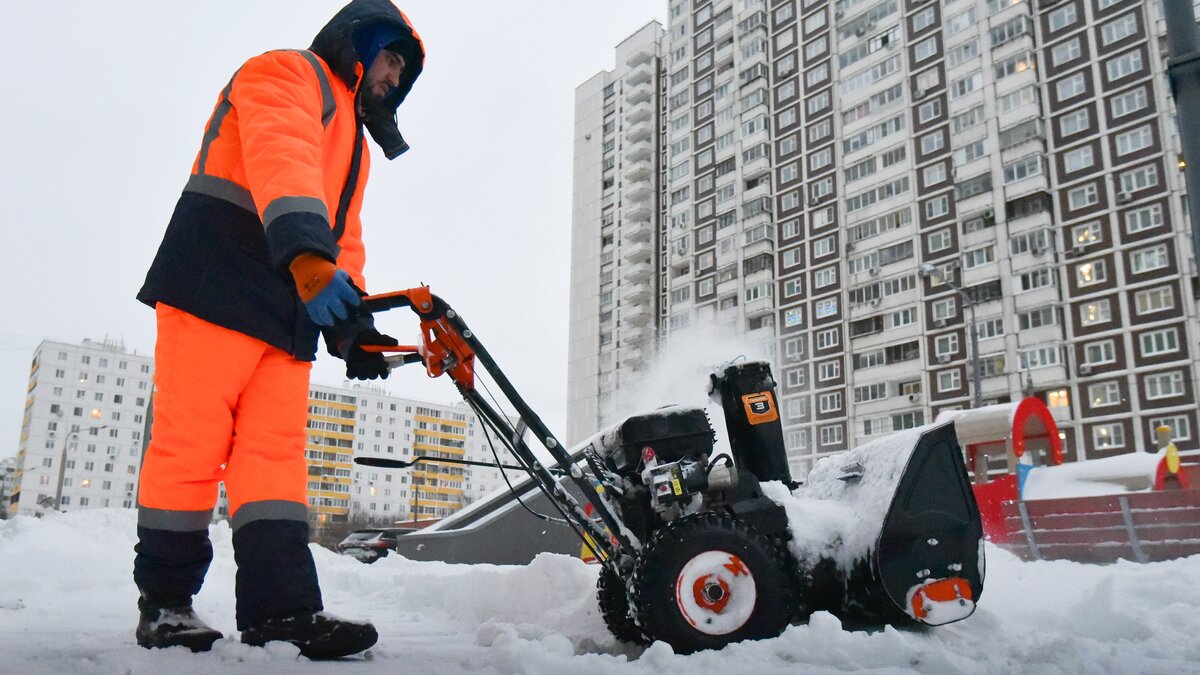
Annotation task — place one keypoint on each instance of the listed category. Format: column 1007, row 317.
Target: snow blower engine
column 696, row 547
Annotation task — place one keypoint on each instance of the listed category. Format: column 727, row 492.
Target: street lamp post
column 62, row 465
column 931, row 270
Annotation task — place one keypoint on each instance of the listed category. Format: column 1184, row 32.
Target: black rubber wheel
column 614, row 608
column 707, row 580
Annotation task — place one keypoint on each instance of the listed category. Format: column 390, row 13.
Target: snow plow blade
column 911, row 551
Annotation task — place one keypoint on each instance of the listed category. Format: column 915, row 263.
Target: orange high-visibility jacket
column 279, row 172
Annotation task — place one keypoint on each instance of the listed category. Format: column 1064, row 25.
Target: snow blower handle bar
column 448, row 347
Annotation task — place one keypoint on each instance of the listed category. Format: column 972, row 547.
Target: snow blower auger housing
column 700, row 549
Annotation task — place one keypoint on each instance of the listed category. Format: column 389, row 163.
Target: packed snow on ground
column 67, row 606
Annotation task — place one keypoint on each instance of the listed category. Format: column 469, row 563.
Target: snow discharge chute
column 700, row 549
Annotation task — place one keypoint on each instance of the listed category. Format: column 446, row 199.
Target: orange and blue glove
column 327, row 292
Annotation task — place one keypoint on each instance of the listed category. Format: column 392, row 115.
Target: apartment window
column 940, row 240
column 962, row 53
column 1108, row 436
column 1087, row 233
column 1118, row 29
column 1123, row 65
column 949, row 380
column 1164, row 385
column 934, row 174
column 1095, row 312
column 945, row 345
column 944, row 309
column 1039, row 357
column 960, row 21
column 1154, row 300
column 1104, row 394
column 1089, row 273
column 1129, row 102
column 817, row 47
column 932, row 142
column 828, row 339
column 1078, row 159
column 793, row 287
column 1099, row 353
column 990, row 328
column 1083, row 197
column 925, row 48
column 903, row 317
column 831, row 402
column 1134, row 140
column 1062, row 17
column 1141, row 178
column 1018, row 63
column 930, row 110
column 923, row 19
column 1043, row 316
column 1021, row 97
column 1149, row 259
column 979, row 257
column 970, row 152
column 1038, row 278
column 1066, row 52
column 938, row 206
column 1157, row 342
column 1025, row 167
column 832, row 434
column 1070, row 87
column 827, row 307
column 965, row 85
column 829, row 370
column 1178, row 424
column 1075, row 122
column 825, row 277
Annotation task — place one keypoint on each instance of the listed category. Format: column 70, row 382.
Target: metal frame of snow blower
column 448, row 347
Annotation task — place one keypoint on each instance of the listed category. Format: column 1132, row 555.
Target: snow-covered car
column 372, row 544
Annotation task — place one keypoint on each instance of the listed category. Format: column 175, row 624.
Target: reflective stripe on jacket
column 274, row 166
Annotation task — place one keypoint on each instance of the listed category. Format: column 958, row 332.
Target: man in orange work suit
column 263, row 252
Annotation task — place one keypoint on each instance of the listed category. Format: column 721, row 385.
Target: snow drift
column 67, row 605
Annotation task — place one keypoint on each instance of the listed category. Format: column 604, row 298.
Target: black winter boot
column 319, row 635
column 175, row 627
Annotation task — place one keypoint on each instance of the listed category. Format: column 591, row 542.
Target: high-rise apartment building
column 83, row 431
column 869, row 182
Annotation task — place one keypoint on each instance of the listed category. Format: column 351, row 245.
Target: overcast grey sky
column 105, row 104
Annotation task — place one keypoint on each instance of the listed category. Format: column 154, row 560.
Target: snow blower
column 700, row 549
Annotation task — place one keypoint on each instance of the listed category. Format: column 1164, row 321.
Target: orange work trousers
column 227, row 407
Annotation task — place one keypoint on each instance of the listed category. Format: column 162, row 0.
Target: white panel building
column 84, row 427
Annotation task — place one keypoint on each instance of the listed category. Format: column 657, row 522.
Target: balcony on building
column 638, row 113
column 635, row 314
column 638, row 93
column 637, row 212
column 632, row 357
column 759, row 307
column 636, row 230
column 634, row 334
column 638, row 171
column 636, row 272
column 638, row 131
column 638, row 193
column 636, row 294
column 639, row 151
column 637, row 250
column 639, row 75
column 640, row 56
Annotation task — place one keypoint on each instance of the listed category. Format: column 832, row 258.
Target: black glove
column 364, row 365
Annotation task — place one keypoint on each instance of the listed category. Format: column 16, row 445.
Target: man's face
column 381, row 77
